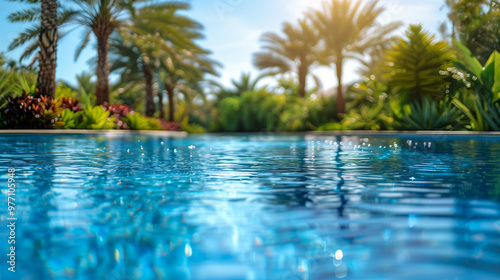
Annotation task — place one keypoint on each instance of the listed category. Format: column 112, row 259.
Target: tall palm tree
column 348, row 29
column 184, row 77
column 101, row 18
column 127, row 60
column 296, row 52
column 158, row 31
column 46, row 82
column 98, row 17
column 30, row 36
column 46, row 17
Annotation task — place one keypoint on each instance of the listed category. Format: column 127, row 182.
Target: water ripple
column 255, row 207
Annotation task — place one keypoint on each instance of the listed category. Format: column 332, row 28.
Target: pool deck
column 94, row 132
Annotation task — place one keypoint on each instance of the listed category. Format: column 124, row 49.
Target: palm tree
column 46, row 82
column 101, row 18
column 185, row 77
column 376, row 58
column 296, row 52
column 43, row 35
column 127, row 60
column 158, row 31
column 245, row 83
column 31, row 35
column 348, row 29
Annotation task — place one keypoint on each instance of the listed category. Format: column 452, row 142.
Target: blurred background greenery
column 417, row 81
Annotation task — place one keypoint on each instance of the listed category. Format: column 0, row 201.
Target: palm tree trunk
column 170, row 93
column 160, row 102
column 46, row 81
column 102, row 87
column 148, row 83
column 302, row 83
column 340, row 89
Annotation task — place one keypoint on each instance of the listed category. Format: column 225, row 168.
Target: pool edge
column 366, row 133
column 396, row 133
column 312, row 133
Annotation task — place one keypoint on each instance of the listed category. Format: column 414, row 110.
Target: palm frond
column 85, row 40
column 26, row 15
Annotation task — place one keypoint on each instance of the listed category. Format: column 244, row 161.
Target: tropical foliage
column 417, row 66
column 296, row 52
column 429, row 114
column 136, row 121
column 69, row 119
column 349, row 29
column 97, row 117
column 477, row 25
column 484, row 112
column 262, row 110
column 165, row 77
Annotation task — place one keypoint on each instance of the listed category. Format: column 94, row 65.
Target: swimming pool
column 252, row 207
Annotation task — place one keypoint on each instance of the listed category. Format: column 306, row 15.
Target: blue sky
column 233, row 29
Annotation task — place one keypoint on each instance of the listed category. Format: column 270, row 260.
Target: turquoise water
column 252, row 207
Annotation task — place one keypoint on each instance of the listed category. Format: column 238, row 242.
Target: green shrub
column 64, row 91
column 97, row 118
column 364, row 118
column 229, row 108
column 253, row 117
column 320, row 111
column 136, row 121
column 331, row 127
column 69, row 119
column 22, row 82
column 370, row 107
column 293, row 116
column 262, row 110
column 417, row 66
column 429, row 115
column 369, row 92
column 269, row 112
column 191, row 128
column 484, row 110
column 4, row 89
column 154, row 124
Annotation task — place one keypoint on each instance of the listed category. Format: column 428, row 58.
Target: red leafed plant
column 26, row 111
column 170, row 126
column 68, row 103
column 119, row 111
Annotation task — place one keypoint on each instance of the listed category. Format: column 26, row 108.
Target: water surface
column 253, row 207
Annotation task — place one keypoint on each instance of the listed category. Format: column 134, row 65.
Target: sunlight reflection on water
column 255, row 207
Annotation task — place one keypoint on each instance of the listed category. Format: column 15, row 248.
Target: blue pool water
column 252, row 207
